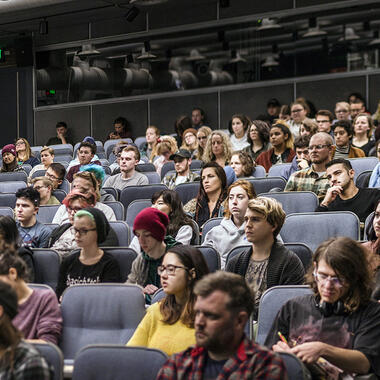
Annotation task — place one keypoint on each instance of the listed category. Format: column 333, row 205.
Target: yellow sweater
column 153, row 333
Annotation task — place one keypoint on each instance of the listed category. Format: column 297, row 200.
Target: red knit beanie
column 152, row 220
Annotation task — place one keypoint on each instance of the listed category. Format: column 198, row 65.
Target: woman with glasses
column 24, row 153
column 91, row 264
column 202, row 136
column 258, row 138
column 47, row 158
column 298, row 113
column 190, row 142
column 169, row 324
column 374, row 180
column 342, row 111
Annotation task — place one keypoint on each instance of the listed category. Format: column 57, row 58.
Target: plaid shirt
column 308, row 180
column 250, row 362
column 169, row 180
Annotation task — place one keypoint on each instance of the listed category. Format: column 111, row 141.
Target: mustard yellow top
column 153, row 333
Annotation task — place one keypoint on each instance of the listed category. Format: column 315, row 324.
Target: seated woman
column 238, row 126
column 39, row 316
column 10, row 163
column 150, row 228
column 24, row 153
column 162, row 152
column 363, row 128
column 308, row 128
column 84, row 182
column 190, row 142
column 218, row 149
column 44, row 186
column 47, row 158
column 282, row 143
column 212, row 192
column 180, row 224
column 169, row 324
column 19, row 359
column 230, row 232
column 242, row 164
column 202, row 136
column 152, row 134
column 257, row 138
column 374, row 180
column 91, row 264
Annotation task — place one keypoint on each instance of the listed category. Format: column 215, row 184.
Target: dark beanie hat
column 8, row 300
column 101, row 222
column 152, row 220
column 10, row 148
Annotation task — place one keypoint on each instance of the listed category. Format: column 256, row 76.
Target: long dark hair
column 9, row 235
column 10, row 259
column 10, row 167
column 171, row 311
column 262, row 128
column 177, row 216
column 370, row 231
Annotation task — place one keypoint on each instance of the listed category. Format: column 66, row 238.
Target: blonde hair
column 208, row 156
column 45, row 180
column 246, row 186
column 207, row 132
column 50, row 150
column 89, row 177
column 344, row 105
column 169, row 142
column 371, row 125
column 28, row 150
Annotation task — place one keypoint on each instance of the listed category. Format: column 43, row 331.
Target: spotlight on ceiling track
column 268, row 24
column 314, row 30
column 270, row 62
column 195, row 56
column 236, row 57
column 132, row 13
column 349, row 35
column 145, row 52
column 376, row 39
column 44, row 27
column 88, row 50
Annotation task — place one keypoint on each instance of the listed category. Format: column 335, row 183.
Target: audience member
column 162, row 151
column 218, row 148
column 47, row 157
column 181, row 124
column 223, row 306
column 24, row 153
column 56, row 173
column 273, row 111
column 152, row 134
column 202, row 136
column 197, row 117
column 33, row 233
column 230, row 175
column 238, row 126
column 85, row 182
column 39, row 316
column 258, row 138
column 343, row 195
column 308, row 128
column 242, row 164
column 63, row 135
column 314, row 178
column 363, row 129
column 150, row 228
column 324, row 119
column 343, row 148
column 91, row 264
column 284, row 113
column 190, row 142
column 339, row 322
column 129, row 158
column 298, row 112
column 302, row 158
column 212, row 192
column 230, row 232
column 86, row 153
column 183, row 174
column 10, row 163
column 95, row 159
column 342, row 111
column 44, row 186
column 267, row 262
column 282, row 146
column 374, row 180
column 116, row 151
column 169, row 324
column 19, row 359
column 357, row 106
column 354, row 96
column 121, row 129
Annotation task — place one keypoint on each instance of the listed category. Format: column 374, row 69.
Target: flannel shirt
column 251, row 361
column 169, row 180
column 308, row 180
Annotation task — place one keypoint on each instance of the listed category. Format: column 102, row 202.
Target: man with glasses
column 302, row 157
column 343, row 148
column 56, row 173
column 44, row 186
column 314, row 177
column 337, row 327
column 324, row 119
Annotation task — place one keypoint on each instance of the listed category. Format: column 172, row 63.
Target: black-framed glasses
column 51, row 176
column 83, row 231
column 318, row 147
column 170, row 269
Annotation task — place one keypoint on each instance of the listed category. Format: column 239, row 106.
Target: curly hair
column 208, row 155
column 169, row 142
column 262, row 128
column 207, row 132
column 248, row 188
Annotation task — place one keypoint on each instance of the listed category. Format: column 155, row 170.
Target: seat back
column 60, row 194
column 211, row 256
column 278, row 169
column 134, row 208
column 112, row 191
column 46, row 213
column 362, row 180
column 117, row 208
column 295, row 201
column 314, row 228
column 187, row 191
column 196, row 164
column 11, row 186
column 100, row 362
column 167, row 167
column 140, row 141
column 363, row 164
column 8, row 200
column 302, row 251
column 294, row 367
column 147, row 167
column 131, row 193
column 158, row 296
column 39, row 173
column 153, row 177
column 65, row 186
column 210, row 224
column 14, row 176
column 63, row 149
column 27, row 168
column 99, row 313
column 259, row 171
column 235, row 251
column 122, row 231
column 63, row 158
column 265, row 184
column 109, row 145
column 53, row 356
column 270, row 304
column 6, row 211
column 46, row 266
column 366, row 223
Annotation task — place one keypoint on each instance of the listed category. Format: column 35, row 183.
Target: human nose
column 199, row 320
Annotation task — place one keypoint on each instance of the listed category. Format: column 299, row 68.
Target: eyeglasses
column 83, row 231
column 76, row 209
column 38, row 188
column 298, row 110
column 319, row 147
column 51, row 176
column 323, row 279
column 170, row 269
column 202, row 138
column 20, row 143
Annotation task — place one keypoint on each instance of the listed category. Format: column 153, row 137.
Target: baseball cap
column 183, row 153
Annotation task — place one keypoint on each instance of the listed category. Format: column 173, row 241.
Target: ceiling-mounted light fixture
column 88, row 50
column 132, row 13
column 349, row 35
column 147, row 2
column 376, row 39
column 195, row 56
column 313, row 30
column 145, row 52
column 236, row 57
column 270, row 62
column 44, row 27
column 268, row 24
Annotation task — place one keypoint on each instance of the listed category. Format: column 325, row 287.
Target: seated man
column 324, row 119
column 62, row 135
column 314, row 178
column 33, row 234
column 302, row 159
column 222, row 309
column 343, row 148
column 338, row 323
column 267, row 262
column 128, row 176
column 182, row 162
column 343, row 195
column 56, row 173
column 44, row 186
